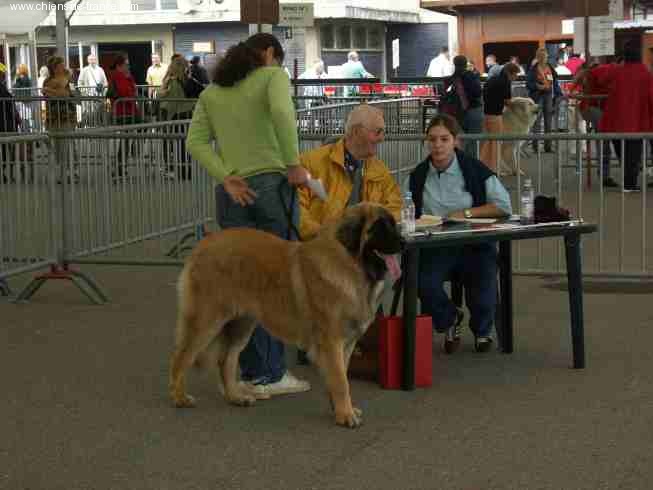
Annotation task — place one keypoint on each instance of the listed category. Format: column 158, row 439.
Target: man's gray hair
column 360, row 116
column 352, row 56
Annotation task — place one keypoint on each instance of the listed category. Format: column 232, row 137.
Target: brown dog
column 320, row 295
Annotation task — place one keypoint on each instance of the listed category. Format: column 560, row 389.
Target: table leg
column 575, row 286
column 411, row 259
column 505, row 281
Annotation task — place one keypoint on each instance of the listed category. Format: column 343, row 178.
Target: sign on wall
column 204, row 47
column 296, row 15
column 601, row 31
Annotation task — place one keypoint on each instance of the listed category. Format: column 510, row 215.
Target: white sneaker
column 285, row 386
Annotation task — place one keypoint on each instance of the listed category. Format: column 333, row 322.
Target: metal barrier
column 40, row 114
column 120, row 195
column 402, row 116
column 27, row 217
column 141, row 194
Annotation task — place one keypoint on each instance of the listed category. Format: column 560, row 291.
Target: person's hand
column 297, row 175
column 239, row 190
column 457, row 215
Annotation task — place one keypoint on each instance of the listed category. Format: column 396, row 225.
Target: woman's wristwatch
column 467, row 213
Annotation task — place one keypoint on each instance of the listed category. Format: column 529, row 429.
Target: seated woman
column 451, row 184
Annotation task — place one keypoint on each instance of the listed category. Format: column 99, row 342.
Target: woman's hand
column 239, row 190
column 457, row 215
column 297, row 175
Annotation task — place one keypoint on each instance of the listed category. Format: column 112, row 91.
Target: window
column 352, row 36
column 168, row 4
column 327, row 38
column 375, row 38
column 360, row 37
column 343, row 37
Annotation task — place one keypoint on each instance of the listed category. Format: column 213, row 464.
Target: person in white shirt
column 155, row 74
column 315, row 72
column 92, row 79
column 441, row 65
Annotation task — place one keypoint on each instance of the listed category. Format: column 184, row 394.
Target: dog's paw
column 183, row 401
column 241, row 399
column 352, row 419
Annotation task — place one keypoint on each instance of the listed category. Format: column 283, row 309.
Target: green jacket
column 253, row 123
column 171, row 103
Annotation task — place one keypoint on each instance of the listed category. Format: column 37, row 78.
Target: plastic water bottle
column 527, row 202
column 408, row 214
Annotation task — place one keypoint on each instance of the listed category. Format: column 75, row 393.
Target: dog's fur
column 518, row 118
column 320, row 295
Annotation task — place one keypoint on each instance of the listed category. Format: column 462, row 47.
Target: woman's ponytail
column 243, row 58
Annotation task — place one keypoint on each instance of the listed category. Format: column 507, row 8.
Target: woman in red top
column 123, row 86
column 628, row 109
column 122, row 91
column 589, row 80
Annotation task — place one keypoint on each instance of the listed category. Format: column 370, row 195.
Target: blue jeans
column 472, row 124
column 477, row 266
column 545, row 102
column 262, row 361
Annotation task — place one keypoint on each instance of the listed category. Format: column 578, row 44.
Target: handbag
column 546, row 210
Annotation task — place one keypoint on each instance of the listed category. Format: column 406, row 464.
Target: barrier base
column 4, row 288
column 187, row 242
column 63, row 272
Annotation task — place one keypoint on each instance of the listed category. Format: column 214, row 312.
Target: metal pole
column 8, row 64
column 61, row 31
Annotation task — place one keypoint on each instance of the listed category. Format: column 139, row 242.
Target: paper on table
column 427, row 220
column 479, row 221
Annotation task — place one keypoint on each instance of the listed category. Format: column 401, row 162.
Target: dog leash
column 289, row 209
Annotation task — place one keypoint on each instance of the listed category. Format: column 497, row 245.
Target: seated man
column 451, row 184
column 350, row 173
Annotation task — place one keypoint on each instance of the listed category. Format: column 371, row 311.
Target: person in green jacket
column 249, row 112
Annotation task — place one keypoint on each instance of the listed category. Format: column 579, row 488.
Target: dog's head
column 370, row 234
column 524, row 109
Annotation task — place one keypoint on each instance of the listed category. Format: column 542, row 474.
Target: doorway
column 524, row 50
column 138, row 54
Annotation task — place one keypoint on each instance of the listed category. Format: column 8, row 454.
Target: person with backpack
column 462, row 100
column 173, row 89
column 176, row 104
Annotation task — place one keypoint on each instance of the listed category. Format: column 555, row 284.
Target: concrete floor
column 86, row 404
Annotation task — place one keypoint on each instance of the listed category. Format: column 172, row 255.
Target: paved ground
column 86, row 405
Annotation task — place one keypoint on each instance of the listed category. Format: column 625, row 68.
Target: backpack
column 112, row 90
column 454, row 101
column 193, row 87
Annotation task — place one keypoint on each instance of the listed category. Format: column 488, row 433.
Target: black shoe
column 548, row 149
column 452, row 335
column 610, row 182
column 483, row 344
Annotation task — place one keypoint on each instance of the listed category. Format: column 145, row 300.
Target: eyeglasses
column 376, row 131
